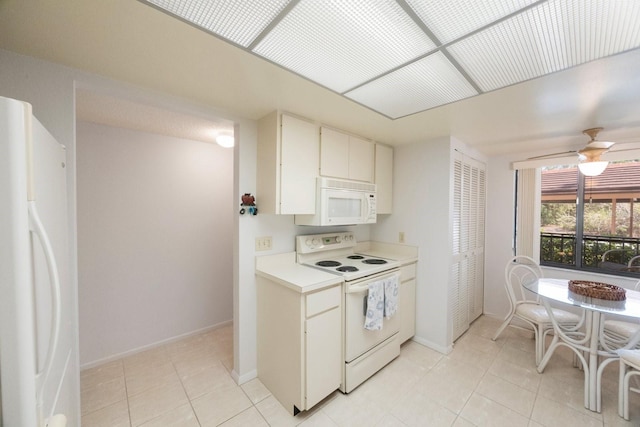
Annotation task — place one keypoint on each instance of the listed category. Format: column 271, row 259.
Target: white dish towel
column 375, row 306
column 391, row 287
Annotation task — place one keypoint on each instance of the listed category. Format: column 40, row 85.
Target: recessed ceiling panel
column 425, row 84
column 553, row 36
column 374, row 52
column 452, row 19
column 341, row 44
column 239, row 21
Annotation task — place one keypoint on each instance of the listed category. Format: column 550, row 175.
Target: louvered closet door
column 466, row 285
column 457, row 276
column 476, row 247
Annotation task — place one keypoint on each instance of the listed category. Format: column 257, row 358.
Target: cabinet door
column 300, row 149
column 384, row 178
column 334, row 153
column 361, row 159
column 323, row 355
column 407, row 310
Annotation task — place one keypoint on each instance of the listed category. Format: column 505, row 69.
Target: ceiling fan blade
column 623, row 150
column 551, row 156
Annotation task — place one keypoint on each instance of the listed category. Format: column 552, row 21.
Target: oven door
column 359, row 340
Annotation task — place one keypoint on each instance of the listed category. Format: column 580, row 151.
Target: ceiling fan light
column 592, row 168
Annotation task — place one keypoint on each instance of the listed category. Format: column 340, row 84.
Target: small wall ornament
column 248, row 204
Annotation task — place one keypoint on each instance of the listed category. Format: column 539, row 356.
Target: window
column 591, row 223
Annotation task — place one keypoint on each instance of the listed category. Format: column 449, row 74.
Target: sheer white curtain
column 528, row 213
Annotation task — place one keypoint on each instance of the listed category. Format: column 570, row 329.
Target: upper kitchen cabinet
column 384, row 178
column 346, row 156
column 288, row 159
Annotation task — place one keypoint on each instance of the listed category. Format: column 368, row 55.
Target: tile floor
column 480, row 383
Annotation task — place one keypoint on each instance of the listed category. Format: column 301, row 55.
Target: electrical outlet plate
column 401, row 237
column 263, row 243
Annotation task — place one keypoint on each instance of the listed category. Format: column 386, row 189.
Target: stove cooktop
column 335, row 253
column 353, row 266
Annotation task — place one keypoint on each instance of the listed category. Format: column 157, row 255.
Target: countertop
column 405, row 254
column 283, row 268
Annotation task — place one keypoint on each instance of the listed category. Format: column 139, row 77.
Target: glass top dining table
column 557, row 290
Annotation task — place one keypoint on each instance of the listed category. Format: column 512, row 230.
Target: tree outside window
column 591, row 223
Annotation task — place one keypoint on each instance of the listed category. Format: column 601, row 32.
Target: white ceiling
column 129, row 41
column 400, row 57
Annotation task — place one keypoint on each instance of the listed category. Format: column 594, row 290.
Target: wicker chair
column 618, row 260
column 526, row 306
column 629, row 366
column 617, row 335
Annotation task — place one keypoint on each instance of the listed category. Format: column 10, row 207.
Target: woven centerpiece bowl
column 599, row 290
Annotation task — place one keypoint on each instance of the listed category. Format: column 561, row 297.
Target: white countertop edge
column 302, row 289
column 283, row 269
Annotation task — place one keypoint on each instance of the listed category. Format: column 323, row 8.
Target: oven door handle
column 358, row 289
column 364, row 306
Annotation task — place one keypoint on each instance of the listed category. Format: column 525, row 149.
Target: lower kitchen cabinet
column 299, row 343
column 407, row 302
column 323, row 355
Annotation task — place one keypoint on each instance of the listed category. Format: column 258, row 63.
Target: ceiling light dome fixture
column 226, row 141
column 589, row 161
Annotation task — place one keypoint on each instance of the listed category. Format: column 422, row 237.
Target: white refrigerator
column 39, row 384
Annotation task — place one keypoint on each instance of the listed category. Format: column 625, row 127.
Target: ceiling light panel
column 547, row 38
column 239, row 21
column 341, row 44
column 452, row 19
column 427, row 83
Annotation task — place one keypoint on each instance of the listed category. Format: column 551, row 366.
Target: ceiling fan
column 589, row 161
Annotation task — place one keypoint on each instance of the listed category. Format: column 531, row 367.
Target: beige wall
column 155, row 230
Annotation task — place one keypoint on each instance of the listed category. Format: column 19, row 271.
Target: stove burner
column 347, row 269
column 355, row 257
column 328, row 264
column 374, row 261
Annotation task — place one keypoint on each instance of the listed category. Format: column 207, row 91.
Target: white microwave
column 342, row 202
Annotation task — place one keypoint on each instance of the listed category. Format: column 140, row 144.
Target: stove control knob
column 315, row 241
column 338, row 239
column 308, row 242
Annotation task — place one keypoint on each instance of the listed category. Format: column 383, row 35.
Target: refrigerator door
column 31, row 393
column 57, row 339
column 17, row 333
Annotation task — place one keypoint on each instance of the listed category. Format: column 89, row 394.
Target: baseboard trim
column 136, row 350
column 432, row 345
column 241, row 379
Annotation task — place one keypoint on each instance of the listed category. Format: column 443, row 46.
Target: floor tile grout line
column 184, row 389
column 126, row 392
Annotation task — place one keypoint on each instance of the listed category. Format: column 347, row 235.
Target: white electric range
column 365, row 351
column 334, row 252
